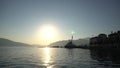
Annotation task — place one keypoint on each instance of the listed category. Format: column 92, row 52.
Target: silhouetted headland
column 70, row 44
column 81, row 43
column 106, row 47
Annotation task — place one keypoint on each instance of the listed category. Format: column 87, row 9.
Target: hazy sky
column 21, row 19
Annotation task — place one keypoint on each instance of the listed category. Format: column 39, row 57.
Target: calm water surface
column 31, row 57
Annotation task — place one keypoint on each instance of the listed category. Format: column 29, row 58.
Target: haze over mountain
column 79, row 42
column 6, row 42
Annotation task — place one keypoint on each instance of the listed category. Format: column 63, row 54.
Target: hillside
column 6, row 42
column 78, row 42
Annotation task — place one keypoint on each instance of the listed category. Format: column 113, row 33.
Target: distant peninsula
column 7, row 42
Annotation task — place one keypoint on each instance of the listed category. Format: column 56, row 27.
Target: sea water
column 34, row 57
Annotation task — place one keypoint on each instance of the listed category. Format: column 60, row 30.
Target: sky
column 22, row 20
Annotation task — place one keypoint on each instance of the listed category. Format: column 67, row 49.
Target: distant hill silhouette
column 6, row 42
column 79, row 42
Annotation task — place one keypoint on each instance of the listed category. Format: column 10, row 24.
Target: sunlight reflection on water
column 47, row 56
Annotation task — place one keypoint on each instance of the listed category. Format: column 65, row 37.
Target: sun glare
column 47, row 33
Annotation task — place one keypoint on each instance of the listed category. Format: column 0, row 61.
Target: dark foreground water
column 31, row 57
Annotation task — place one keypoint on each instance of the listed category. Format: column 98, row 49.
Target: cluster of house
column 113, row 38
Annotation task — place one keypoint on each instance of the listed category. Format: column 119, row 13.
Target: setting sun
column 47, row 33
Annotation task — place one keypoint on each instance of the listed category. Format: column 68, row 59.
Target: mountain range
column 6, row 42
